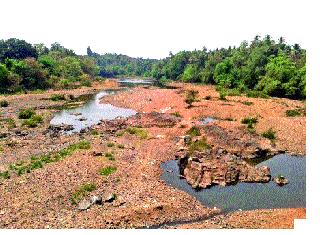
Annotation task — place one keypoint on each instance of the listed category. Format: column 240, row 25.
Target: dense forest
column 114, row 65
column 263, row 67
column 28, row 67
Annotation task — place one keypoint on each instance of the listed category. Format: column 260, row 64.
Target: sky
column 151, row 28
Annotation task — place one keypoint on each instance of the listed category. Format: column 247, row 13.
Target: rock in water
column 84, row 205
column 207, row 168
column 280, row 180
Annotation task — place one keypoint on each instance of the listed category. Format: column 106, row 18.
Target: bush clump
column 36, row 162
column 107, row 170
column 143, row 134
column 222, row 95
column 200, row 145
column 26, row 113
column 110, row 156
column 177, row 114
column 57, row 97
column 4, row 103
column 83, row 191
column 293, row 113
column 33, row 121
column 193, row 131
column 269, row 134
column 191, row 97
column 250, row 121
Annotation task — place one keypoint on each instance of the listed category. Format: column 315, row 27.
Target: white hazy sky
column 151, row 28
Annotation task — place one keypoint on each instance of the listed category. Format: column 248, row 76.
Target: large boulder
column 204, row 169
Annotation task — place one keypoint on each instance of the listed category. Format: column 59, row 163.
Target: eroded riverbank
column 42, row 198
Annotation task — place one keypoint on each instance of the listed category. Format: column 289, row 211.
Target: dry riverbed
column 120, row 160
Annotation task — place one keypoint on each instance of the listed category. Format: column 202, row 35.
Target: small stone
column 111, row 197
column 281, row 180
column 97, row 154
column 96, row 200
column 84, row 205
column 187, row 139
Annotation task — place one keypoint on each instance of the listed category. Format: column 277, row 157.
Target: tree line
column 263, row 67
column 24, row 66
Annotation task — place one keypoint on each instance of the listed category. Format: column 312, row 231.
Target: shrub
column 10, row 122
column 5, row 175
column 193, row 131
column 110, row 144
column 134, row 131
column 36, row 162
column 269, row 134
column 247, row 103
column 200, row 145
column 222, row 95
column 109, row 156
column 33, row 121
column 57, row 97
column 4, row 103
column 177, row 114
column 293, row 113
column 94, row 132
column 83, row 191
column 120, row 146
column 26, row 113
column 108, row 170
column 191, row 97
column 257, row 94
column 249, row 120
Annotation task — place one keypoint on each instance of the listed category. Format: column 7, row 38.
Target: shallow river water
column 247, row 196
column 92, row 112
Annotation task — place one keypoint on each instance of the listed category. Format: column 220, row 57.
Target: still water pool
column 247, row 196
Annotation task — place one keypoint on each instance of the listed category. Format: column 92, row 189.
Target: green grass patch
column 57, row 97
column 177, row 114
column 293, row 113
column 83, row 191
column 11, row 123
column 110, row 144
column 107, row 170
column 110, row 156
column 248, row 103
column 26, row 113
column 200, row 145
column 120, row 146
column 193, row 131
column 269, row 134
column 250, row 121
column 94, row 132
column 37, row 162
column 34, row 121
column 5, row 175
column 143, row 134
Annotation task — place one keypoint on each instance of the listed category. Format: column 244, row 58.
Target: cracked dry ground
column 41, row 199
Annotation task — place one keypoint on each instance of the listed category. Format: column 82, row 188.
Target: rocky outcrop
column 218, row 167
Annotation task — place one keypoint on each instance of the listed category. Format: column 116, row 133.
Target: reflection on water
column 248, row 196
column 91, row 113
